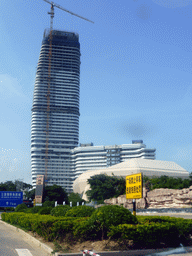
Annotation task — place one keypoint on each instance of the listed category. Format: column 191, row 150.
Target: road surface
column 14, row 243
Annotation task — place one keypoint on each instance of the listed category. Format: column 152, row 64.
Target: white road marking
column 23, row 252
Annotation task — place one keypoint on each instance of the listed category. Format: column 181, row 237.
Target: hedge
column 80, row 211
column 146, row 235
column 60, row 210
column 111, row 222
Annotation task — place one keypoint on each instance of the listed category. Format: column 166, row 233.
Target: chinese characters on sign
column 134, row 186
column 13, row 195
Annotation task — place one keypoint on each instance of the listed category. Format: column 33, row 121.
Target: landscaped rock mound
column 157, row 198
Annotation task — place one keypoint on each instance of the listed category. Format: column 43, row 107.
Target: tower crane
column 51, row 13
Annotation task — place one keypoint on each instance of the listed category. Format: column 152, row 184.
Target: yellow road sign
column 134, row 186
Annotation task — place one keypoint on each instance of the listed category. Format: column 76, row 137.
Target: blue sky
column 135, row 82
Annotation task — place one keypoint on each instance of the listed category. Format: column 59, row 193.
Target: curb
column 29, row 237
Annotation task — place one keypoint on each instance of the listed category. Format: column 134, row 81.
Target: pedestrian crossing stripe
column 23, row 252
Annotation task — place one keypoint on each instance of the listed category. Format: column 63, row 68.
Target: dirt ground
column 95, row 246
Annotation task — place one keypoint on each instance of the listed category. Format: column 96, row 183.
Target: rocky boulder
column 157, row 198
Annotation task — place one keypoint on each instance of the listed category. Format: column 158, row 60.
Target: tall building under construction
column 55, row 110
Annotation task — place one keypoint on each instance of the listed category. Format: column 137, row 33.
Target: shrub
column 12, row 217
column 49, row 204
column 146, row 235
column 9, row 209
column 113, row 215
column 61, row 228
column 101, row 219
column 156, row 219
column 28, row 210
column 21, row 208
column 45, row 210
column 35, row 209
column 80, row 211
column 6, row 209
column 60, row 210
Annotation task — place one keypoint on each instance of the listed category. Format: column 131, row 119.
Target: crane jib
column 61, row 8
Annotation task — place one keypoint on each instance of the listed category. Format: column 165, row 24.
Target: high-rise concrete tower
column 55, row 110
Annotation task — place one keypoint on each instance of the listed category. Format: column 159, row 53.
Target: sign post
column 134, row 188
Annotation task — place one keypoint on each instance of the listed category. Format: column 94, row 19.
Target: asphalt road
column 14, row 243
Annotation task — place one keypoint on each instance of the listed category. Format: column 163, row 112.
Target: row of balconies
column 136, row 156
column 91, row 158
column 56, row 119
column 59, row 116
column 55, row 97
column 56, row 87
column 52, row 141
column 61, row 132
column 71, row 53
column 59, row 50
column 65, row 123
column 87, row 154
column 56, row 102
column 67, row 58
column 35, row 131
column 42, row 83
column 63, row 56
column 58, row 63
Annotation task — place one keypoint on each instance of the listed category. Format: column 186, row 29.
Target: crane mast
column 51, row 13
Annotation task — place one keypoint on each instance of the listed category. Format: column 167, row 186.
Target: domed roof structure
column 136, row 165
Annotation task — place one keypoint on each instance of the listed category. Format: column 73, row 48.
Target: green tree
column 104, row 187
column 21, row 208
column 14, row 186
column 55, row 193
column 30, row 194
column 7, row 186
column 74, row 198
column 167, row 182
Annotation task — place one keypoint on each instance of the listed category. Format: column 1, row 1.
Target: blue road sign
column 10, row 198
